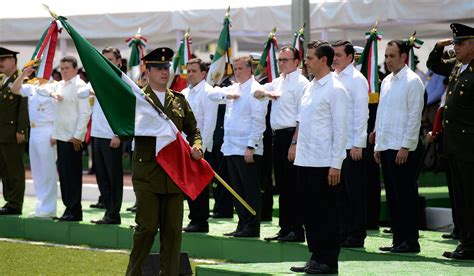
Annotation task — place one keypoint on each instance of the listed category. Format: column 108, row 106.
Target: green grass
column 19, row 258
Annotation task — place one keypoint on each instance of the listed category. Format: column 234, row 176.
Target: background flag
column 412, row 42
column 223, row 55
column 180, row 60
column 298, row 43
column 129, row 113
column 136, row 66
column 369, row 61
column 268, row 58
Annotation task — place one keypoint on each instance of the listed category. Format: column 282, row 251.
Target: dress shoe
column 405, row 248
column 132, row 209
column 450, row 236
column 387, row 231
column 196, row 228
column 106, row 220
column 273, row 238
column 385, row 248
column 352, row 244
column 231, row 234
column 9, row 211
column 98, row 205
column 291, row 237
column 320, row 269
column 302, row 268
column 69, row 218
column 246, row 234
column 460, row 255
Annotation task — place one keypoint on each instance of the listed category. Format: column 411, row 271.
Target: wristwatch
column 293, row 141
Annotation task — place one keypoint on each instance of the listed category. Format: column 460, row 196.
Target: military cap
column 255, row 58
column 4, row 53
column 358, row 50
column 159, row 57
column 461, row 32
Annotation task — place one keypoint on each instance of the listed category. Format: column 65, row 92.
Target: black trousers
column 352, row 200
column 320, row 215
column 109, row 174
column 199, row 208
column 266, row 178
column 70, row 178
column 373, row 176
column 222, row 198
column 245, row 180
column 12, row 173
column 291, row 191
column 462, row 176
column 402, row 193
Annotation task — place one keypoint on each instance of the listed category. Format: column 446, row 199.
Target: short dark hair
column 296, row 53
column 202, row 64
column 348, row 47
column 322, row 49
column 402, row 46
column 113, row 50
column 70, row 59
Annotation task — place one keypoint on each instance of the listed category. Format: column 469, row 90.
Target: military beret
column 159, row 57
column 461, row 32
column 4, row 52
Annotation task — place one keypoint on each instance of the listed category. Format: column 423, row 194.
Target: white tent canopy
column 107, row 22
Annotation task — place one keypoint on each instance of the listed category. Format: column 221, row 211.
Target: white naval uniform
column 42, row 154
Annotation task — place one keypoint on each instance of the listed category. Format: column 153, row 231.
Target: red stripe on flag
column 46, row 39
column 48, row 68
column 191, row 176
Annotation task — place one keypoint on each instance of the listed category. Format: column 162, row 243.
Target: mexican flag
column 369, row 61
column 180, row 60
column 43, row 55
column 268, row 58
column 298, row 43
column 412, row 42
column 130, row 114
column 136, row 67
column 223, row 55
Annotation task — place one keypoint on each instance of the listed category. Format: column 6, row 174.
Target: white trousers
column 43, row 168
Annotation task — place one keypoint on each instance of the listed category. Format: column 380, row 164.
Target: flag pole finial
column 227, row 13
column 53, row 14
column 374, row 29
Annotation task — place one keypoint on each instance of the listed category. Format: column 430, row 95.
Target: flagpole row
column 235, row 194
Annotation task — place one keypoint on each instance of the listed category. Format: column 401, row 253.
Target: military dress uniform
column 42, row 154
column 159, row 201
column 458, row 137
column 13, row 120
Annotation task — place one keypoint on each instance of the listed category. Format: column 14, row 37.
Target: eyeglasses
column 285, row 60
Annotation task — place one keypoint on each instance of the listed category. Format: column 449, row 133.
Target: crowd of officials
column 314, row 127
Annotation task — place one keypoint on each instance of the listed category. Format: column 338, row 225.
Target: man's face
column 158, row 76
column 110, row 56
column 313, row 63
column 67, row 71
column 286, row 62
column 195, row 75
column 341, row 59
column 395, row 61
column 241, row 71
column 7, row 65
column 464, row 50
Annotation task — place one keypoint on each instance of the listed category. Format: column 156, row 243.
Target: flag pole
column 232, row 191
column 235, row 194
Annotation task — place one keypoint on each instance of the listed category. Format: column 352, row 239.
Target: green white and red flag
column 43, row 56
column 298, row 43
column 369, row 61
column 130, row 113
column 268, row 58
column 412, row 42
column 180, row 60
column 136, row 66
column 222, row 56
